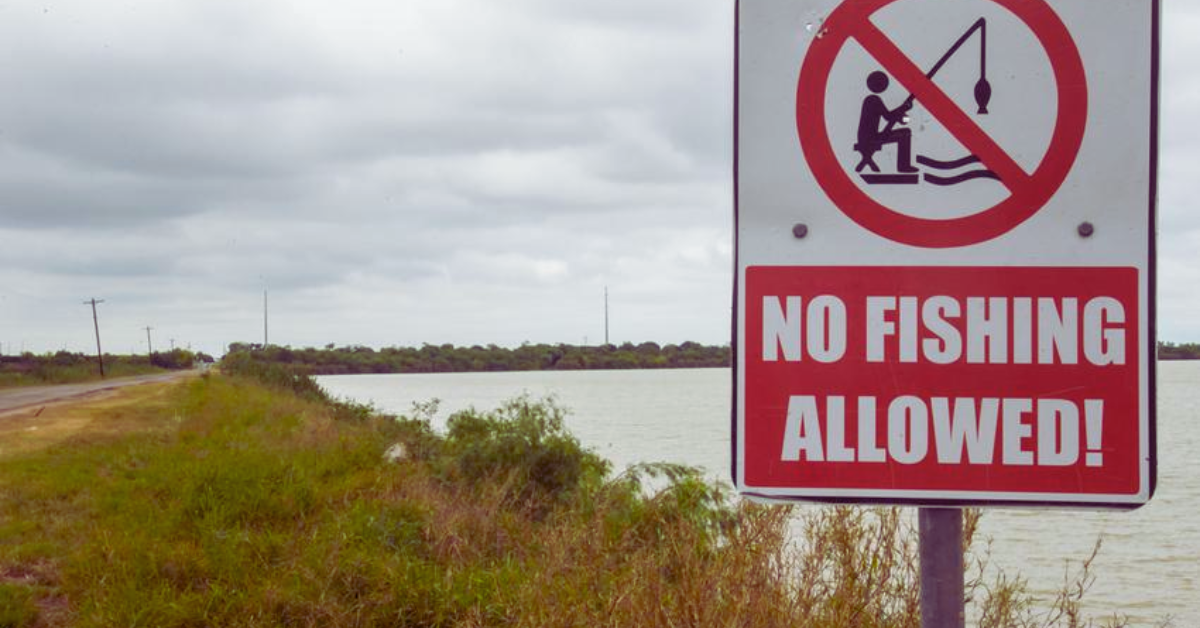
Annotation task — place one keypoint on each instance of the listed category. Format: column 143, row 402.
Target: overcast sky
column 397, row 172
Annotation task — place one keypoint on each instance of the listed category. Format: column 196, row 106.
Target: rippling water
column 1148, row 568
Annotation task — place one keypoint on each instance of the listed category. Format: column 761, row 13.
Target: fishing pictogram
column 850, row 173
column 875, row 113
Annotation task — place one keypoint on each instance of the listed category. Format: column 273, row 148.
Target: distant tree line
column 448, row 358
column 1172, row 351
column 63, row 367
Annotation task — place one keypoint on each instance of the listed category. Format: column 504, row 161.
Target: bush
column 524, row 445
column 278, row 376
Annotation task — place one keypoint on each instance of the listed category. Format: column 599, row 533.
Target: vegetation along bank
column 249, row 498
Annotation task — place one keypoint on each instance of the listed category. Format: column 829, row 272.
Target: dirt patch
column 39, row 573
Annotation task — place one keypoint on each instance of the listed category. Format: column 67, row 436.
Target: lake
column 1148, row 567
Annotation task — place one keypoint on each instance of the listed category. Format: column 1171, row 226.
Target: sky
column 400, row 172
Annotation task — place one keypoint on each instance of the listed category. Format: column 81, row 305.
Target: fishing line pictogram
column 880, row 126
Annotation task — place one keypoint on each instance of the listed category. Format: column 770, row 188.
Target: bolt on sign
column 945, row 217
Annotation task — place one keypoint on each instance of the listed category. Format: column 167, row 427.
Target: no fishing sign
column 945, row 217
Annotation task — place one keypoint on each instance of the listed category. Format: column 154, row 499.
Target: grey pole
column 940, row 535
column 606, row 315
column 96, row 325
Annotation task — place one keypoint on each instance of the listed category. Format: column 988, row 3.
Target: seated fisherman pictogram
column 876, row 128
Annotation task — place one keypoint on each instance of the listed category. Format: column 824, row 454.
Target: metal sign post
column 940, row 535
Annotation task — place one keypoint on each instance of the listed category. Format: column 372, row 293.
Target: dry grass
column 110, row 412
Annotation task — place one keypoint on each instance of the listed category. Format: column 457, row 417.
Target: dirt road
column 17, row 398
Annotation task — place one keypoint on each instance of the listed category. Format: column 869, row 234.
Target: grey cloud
column 418, row 171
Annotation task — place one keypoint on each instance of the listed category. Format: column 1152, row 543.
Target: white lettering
column 835, row 429
column 963, row 428
column 987, row 330
column 826, row 329
column 878, row 327
column 802, row 434
column 908, row 430
column 1022, row 321
column 908, row 329
column 1041, row 432
column 868, row 445
column 1103, row 345
column 1058, row 332
column 1016, row 431
column 1058, row 433
column 781, row 329
column 947, row 346
column 942, row 329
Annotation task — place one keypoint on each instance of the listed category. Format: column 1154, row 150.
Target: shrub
column 522, row 443
column 278, row 376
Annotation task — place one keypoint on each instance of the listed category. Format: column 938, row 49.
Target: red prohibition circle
column 1028, row 192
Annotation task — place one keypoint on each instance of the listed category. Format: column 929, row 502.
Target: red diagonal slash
column 945, row 110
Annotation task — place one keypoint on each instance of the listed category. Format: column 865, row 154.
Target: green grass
column 253, row 500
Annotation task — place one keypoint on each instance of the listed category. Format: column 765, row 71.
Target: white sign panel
column 945, row 251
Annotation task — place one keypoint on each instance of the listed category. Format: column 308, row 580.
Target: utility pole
column 265, row 341
column 96, row 324
column 149, row 347
column 172, row 344
column 606, row 315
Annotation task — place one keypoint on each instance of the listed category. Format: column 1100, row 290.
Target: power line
column 149, row 346
column 96, row 323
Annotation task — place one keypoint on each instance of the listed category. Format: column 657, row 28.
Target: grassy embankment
column 253, row 501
